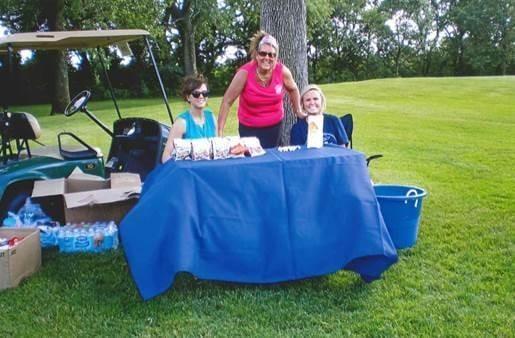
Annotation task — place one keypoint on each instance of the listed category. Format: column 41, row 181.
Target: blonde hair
column 257, row 40
column 313, row 87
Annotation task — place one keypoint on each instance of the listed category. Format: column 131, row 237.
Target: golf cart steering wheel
column 78, row 103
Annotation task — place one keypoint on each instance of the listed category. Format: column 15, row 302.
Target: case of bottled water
column 87, row 237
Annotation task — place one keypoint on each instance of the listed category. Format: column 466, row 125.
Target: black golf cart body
column 136, row 146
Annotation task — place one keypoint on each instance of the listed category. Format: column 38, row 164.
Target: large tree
column 52, row 15
column 60, row 93
column 286, row 20
column 33, row 15
column 185, row 16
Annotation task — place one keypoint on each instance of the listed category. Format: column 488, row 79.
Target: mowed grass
column 453, row 136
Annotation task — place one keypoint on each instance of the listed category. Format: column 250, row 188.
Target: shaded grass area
column 452, row 136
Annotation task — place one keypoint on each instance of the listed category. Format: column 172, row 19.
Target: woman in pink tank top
column 261, row 84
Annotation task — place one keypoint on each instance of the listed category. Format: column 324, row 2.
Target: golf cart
column 136, row 143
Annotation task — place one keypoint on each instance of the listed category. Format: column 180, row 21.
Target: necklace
column 263, row 81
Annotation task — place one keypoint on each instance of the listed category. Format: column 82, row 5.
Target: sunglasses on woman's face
column 269, row 54
column 196, row 94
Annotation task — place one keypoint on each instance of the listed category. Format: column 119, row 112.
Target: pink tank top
column 261, row 106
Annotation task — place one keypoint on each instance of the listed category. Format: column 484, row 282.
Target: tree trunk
column 506, row 51
column 181, row 13
column 460, row 63
column 397, row 61
column 286, row 20
column 61, row 90
column 188, row 38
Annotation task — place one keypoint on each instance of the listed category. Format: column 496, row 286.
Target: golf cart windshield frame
column 66, row 40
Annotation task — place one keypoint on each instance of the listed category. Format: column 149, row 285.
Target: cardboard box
column 88, row 198
column 22, row 260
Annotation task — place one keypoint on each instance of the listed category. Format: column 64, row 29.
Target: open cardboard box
column 22, row 260
column 88, row 198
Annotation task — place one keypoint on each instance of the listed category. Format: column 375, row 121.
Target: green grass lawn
column 453, row 136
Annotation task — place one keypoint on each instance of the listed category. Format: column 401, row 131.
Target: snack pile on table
column 216, row 148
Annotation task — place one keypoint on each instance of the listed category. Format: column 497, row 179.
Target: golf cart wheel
column 14, row 198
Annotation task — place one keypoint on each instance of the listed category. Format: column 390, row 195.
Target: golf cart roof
column 69, row 39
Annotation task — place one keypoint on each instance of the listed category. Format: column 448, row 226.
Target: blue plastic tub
column 401, row 207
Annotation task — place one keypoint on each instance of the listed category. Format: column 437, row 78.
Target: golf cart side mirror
column 78, row 103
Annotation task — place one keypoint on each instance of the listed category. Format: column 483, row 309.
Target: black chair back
column 137, row 146
column 348, row 125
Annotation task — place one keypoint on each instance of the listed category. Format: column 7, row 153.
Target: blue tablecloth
column 277, row 217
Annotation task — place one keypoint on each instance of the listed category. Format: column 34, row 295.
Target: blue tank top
column 194, row 130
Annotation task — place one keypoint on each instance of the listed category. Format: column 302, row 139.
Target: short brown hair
column 190, row 83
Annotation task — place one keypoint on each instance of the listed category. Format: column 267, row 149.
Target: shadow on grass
column 339, row 289
column 102, row 281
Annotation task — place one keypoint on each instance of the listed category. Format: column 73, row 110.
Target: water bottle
column 115, row 234
column 68, row 241
column 60, row 238
column 113, row 231
column 81, row 242
column 98, row 240
column 108, row 237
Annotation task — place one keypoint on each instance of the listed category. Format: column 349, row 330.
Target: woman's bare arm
column 293, row 92
column 231, row 94
column 178, row 129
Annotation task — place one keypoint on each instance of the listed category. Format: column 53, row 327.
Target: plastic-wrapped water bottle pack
column 78, row 237
column 85, row 237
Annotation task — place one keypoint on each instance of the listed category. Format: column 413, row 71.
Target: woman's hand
column 301, row 114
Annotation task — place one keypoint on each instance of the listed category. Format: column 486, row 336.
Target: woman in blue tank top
column 196, row 122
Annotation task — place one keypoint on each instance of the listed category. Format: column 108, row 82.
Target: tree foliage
column 346, row 40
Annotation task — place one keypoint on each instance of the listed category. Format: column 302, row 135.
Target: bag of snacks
column 181, row 149
column 253, row 145
column 221, row 147
column 200, row 149
column 237, row 149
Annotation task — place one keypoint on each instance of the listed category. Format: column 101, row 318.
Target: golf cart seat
column 80, row 151
column 137, row 146
column 20, row 126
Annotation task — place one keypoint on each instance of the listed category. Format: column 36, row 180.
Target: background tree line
column 346, row 40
